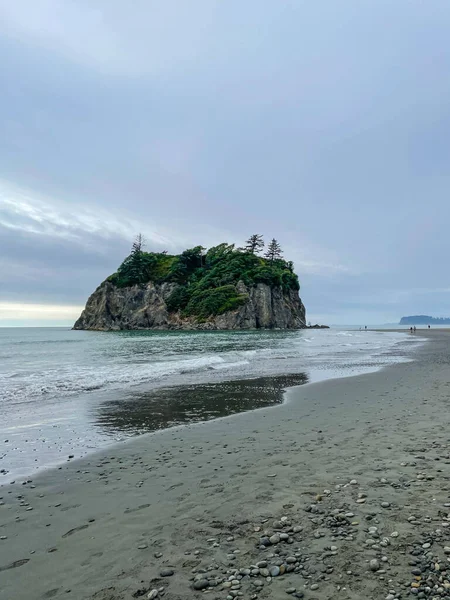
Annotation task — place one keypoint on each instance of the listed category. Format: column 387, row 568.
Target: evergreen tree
column 136, row 265
column 273, row 251
column 255, row 243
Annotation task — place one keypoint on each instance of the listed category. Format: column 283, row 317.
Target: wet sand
column 201, row 501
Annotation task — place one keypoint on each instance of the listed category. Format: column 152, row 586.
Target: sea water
column 65, row 393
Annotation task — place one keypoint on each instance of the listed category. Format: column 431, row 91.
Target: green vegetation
column 207, row 280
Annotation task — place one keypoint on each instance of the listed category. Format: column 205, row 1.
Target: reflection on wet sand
column 167, row 407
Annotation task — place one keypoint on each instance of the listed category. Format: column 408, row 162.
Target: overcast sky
column 325, row 124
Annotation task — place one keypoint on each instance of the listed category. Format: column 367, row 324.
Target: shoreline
column 104, row 527
column 124, row 417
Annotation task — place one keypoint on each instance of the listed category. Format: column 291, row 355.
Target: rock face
column 144, row 307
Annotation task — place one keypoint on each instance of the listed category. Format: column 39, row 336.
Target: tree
column 136, row 264
column 138, row 244
column 273, row 251
column 255, row 243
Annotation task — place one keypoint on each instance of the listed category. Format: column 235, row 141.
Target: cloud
column 23, row 212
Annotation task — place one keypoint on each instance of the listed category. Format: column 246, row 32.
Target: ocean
column 64, row 394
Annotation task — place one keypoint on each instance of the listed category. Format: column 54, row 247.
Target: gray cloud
column 324, row 124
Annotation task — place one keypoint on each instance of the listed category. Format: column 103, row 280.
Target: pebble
column 166, row 572
column 274, row 571
column 275, row 538
column 374, row 564
column 153, row 594
column 385, row 505
column 201, row 584
column 315, row 586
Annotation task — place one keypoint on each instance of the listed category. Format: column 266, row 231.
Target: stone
column 385, row 505
column 374, row 564
column 153, row 594
column 274, row 571
column 167, row 572
column 275, row 539
column 201, row 584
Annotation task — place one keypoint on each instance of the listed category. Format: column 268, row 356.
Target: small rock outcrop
column 144, row 307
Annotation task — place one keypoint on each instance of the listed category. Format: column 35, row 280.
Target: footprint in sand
column 51, row 593
column 15, row 564
column 74, row 530
column 132, row 510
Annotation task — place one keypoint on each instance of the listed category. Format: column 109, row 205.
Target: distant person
column 411, row 329
column 429, row 326
column 414, row 329
column 365, row 328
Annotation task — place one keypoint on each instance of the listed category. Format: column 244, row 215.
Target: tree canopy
column 207, row 279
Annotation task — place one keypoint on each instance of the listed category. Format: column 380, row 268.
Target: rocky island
column 221, row 288
column 424, row 320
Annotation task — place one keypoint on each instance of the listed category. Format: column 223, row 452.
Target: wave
column 76, row 380
column 110, row 361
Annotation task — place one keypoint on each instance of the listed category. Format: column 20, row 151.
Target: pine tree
column 255, row 243
column 273, row 251
column 136, row 264
column 138, row 244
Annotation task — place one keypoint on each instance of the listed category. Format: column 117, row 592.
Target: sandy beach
column 341, row 492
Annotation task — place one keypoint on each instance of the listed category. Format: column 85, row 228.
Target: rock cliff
column 144, row 307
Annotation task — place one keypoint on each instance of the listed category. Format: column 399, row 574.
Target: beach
column 342, row 491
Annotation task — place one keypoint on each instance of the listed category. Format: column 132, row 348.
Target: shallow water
column 66, row 392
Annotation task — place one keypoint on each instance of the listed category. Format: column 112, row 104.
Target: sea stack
column 223, row 288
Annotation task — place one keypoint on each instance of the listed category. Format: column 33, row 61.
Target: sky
column 324, row 124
